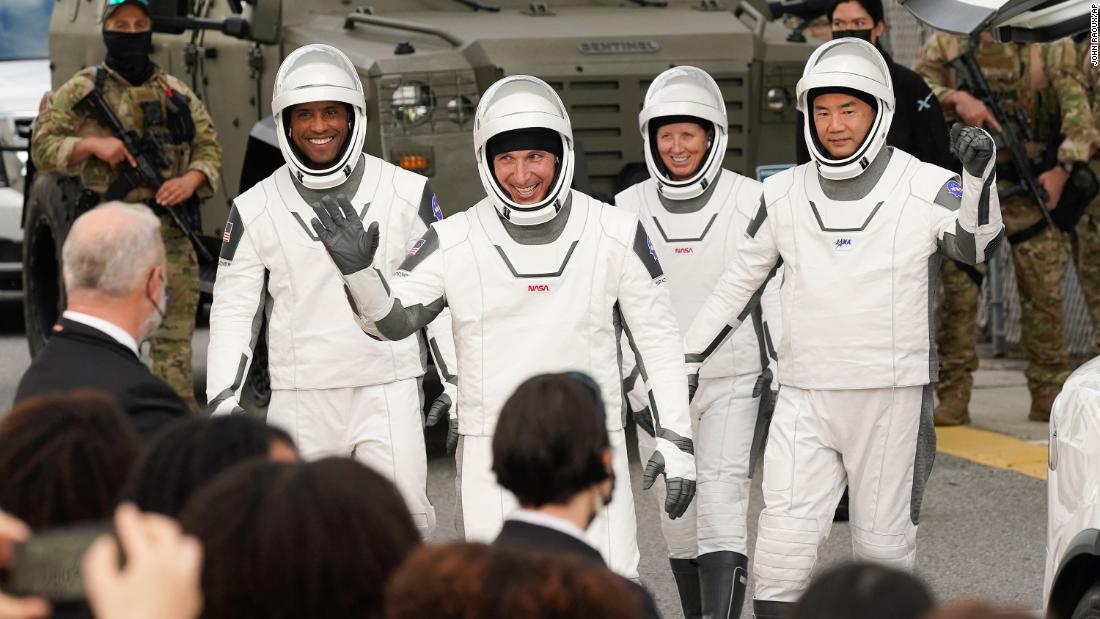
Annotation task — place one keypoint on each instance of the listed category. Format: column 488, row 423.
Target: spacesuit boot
column 767, row 609
column 723, row 577
column 686, row 573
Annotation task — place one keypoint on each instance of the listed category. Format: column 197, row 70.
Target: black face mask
column 128, row 53
column 856, row 34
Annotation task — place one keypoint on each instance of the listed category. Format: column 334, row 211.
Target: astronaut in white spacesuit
column 695, row 212
column 859, row 231
column 534, row 276
column 335, row 389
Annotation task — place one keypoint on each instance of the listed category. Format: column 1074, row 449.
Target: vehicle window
column 24, row 29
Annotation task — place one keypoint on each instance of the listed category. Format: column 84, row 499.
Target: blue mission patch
column 954, row 188
column 438, row 212
column 652, row 252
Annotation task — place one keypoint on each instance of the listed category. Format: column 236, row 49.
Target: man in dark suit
column 113, row 267
column 551, row 450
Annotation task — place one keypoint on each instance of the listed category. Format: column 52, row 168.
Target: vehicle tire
column 1088, row 607
column 47, row 217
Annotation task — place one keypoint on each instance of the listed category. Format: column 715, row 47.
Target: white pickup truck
column 1072, row 583
column 25, row 76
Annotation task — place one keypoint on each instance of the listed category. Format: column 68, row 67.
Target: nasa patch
column 416, row 247
column 954, row 188
column 436, row 211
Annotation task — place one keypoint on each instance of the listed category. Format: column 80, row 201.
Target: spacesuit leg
column 723, row 443
column 803, row 480
column 614, row 532
column 485, row 504
column 385, row 432
column 314, row 418
column 880, row 456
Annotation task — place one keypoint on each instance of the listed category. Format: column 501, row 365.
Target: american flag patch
column 228, row 234
column 415, row 247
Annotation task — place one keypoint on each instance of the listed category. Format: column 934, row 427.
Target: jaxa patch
column 842, row 244
column 954, row 188
column 652, row 251
column 416, row 247
column 437, row 212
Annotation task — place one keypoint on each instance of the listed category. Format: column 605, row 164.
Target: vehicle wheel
column 1089, row 605
column 48, row 215
column 256, row 394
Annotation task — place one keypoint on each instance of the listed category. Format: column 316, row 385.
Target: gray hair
column 111, row 249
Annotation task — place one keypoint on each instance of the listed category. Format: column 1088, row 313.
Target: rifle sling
column 1028, row 233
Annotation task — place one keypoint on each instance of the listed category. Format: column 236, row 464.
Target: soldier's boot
column 768, row 609
column 686, row 573
column 953, row 411
column 953, row 392
column 1042, row 400
column 724, row 577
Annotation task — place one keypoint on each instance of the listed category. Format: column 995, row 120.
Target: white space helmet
column 853, row 64
column 319, row 73
column 685, row 91
column 523, row 102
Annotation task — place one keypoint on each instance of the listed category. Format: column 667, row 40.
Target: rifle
column 149, row 155
column 971, row 76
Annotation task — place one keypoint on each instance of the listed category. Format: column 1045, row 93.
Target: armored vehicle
column 423, row 64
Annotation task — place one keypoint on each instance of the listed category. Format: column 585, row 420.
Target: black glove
column 974, row 148
column 678, row 491
column 341, row 231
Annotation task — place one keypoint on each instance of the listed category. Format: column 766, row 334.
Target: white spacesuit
column 533, row 288
column 335, row 389
column 696, row 225
column 859, row 239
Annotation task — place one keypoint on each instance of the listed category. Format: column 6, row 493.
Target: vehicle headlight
column 413, row 103
column 778, row 99
column 460, row 109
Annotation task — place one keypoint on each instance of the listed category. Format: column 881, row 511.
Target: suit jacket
column 81, row 357
column 519, row 535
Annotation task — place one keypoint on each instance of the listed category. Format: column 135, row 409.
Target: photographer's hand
column 161, row 575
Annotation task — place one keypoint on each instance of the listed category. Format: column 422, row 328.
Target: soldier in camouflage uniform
column 1086, row 238
column 68, row 141
column 1043, row 79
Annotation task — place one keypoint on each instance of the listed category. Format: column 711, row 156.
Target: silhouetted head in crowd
column 450, row 582
column 64, row 458
column 302, row 541
column 864, row 591
column 551, row 446
column 191, row 452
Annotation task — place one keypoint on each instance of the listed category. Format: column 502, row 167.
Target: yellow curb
column 992, row 449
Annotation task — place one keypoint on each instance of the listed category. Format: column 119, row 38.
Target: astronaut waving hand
column 534, row 275
column 859, row 231
column 336, row 390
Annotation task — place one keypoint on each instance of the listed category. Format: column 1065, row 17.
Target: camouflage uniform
column 1045, row 81
column 1086, row 240
column 60, row 127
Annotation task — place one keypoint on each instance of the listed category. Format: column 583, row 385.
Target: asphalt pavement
column 982, row 529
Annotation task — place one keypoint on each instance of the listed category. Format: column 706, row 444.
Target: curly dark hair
column 313, row 540
column 193, row 451
column 64, row 458
column 465, row 581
